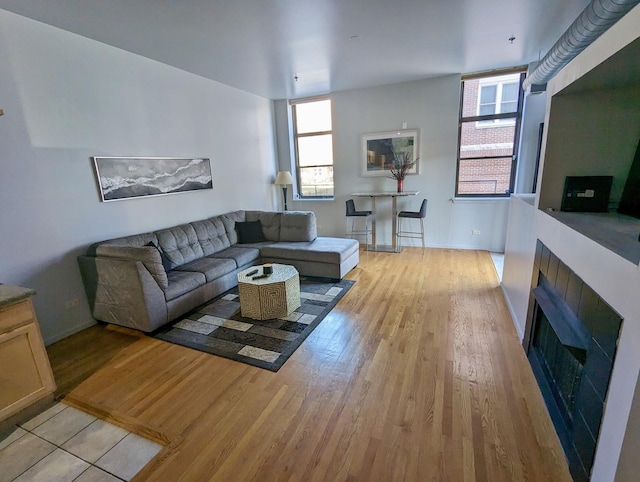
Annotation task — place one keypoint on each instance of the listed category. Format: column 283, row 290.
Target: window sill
column 479, row 199
column 314, row 199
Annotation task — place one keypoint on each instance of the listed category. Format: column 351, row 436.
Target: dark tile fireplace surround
column 570, row 339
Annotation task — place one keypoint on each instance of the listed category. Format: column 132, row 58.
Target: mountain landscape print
column 132, row 177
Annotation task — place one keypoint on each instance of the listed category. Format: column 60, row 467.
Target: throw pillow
column 250, row 232
column 166, row 264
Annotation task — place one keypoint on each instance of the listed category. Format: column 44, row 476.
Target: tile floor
column 65, row 444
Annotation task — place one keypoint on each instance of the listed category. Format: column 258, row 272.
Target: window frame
column 296, row 155
column 505, row 119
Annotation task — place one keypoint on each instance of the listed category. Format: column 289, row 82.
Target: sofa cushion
column 180, row 244
column 250, row 232
column 230, row 220
column 212, row 235
column 181, row 282
column 149, row 256
column 320, row 250
column 211, row 268
column 298, row 226
column 270, row 223
column 166, row 264
column 242, row 255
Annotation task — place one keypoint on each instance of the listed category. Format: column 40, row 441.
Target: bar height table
column 394, row 219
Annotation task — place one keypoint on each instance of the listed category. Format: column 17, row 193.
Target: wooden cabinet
column 25, row 372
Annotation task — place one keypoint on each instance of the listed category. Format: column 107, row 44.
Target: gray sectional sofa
column 147, row 280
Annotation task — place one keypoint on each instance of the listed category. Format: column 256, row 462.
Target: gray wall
column 431, row 106
column 593, row 133
column 67, row 98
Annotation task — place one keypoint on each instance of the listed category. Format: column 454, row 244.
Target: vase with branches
column 400, row 166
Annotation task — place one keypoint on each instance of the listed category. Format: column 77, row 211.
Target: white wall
column 519, row 253
column 431, row 106
column 67, row 98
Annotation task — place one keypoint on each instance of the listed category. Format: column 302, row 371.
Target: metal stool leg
column 354, row 233
column 410, row 234
column 366, row 233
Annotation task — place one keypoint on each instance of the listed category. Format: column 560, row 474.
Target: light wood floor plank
column 417, row 374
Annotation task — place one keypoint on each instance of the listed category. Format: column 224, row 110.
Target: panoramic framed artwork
column 133, row 177
column 381, row 148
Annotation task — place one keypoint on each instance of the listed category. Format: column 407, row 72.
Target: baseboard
column 512, row 313
column 445, row 246
column 457, row 246
column 59, row 336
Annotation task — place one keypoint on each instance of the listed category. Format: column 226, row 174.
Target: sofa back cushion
column 212, row 235
column 298, row 226
column 270, row 222
column 230, row 220
column 180, row 244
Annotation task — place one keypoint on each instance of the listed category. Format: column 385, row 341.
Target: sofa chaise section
column 325, row 257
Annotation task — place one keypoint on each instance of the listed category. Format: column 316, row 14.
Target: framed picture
column 132, row 177
column 381, row 148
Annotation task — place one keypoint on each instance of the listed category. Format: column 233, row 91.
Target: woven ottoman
column 275, row 296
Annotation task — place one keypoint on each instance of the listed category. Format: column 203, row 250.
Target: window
column 490, row 112
column 313, row 144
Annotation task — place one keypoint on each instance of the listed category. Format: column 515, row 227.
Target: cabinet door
column 25, row 373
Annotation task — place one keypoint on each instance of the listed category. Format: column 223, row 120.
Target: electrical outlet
column 71, row 303
column 475, row 232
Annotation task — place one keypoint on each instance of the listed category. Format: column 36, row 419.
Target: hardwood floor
column 417, row 375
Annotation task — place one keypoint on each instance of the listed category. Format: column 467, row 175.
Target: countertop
column 10, row 294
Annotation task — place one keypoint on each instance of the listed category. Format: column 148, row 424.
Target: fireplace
column 571, row 338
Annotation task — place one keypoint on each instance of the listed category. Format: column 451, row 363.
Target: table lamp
column 284, row 179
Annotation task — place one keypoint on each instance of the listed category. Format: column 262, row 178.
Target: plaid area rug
column 219, row 328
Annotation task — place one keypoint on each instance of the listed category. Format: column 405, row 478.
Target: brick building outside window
column 490, row 112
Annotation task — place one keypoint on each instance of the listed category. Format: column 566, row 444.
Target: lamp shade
column 284, row 178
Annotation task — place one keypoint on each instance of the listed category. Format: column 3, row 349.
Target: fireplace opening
column 562, row 366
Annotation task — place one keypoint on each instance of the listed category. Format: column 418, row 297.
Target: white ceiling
column 260, row 45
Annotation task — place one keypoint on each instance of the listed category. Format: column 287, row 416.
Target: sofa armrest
column 149, row 256
column 128, row 295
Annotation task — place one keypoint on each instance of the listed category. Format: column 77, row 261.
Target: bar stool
column 412, row 215
column 352, row 213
